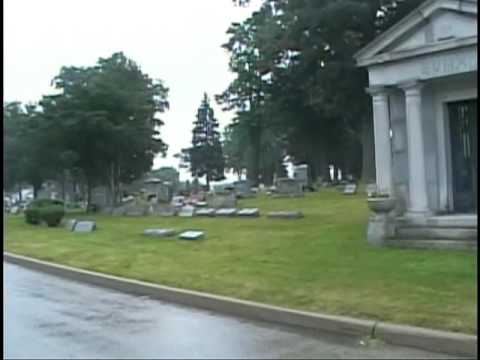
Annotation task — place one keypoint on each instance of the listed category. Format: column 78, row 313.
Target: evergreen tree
column 206, row 156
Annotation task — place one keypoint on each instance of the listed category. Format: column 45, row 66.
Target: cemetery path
column 49, row 317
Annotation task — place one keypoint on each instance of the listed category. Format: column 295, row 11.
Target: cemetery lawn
column 319, row 263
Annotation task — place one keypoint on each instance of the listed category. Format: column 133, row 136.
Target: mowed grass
column 319, row 263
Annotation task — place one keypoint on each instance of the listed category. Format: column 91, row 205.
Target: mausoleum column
column 418, row 200
column 383, row 147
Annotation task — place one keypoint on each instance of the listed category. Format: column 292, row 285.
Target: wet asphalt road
column 49, row 317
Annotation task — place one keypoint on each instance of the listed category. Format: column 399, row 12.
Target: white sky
column 177, row 41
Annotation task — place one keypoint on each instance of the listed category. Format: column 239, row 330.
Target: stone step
column 427, row 232
column 439, row 244
column 454, row 221
column 444, row 221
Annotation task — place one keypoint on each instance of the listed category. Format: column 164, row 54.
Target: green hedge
column 49, row 211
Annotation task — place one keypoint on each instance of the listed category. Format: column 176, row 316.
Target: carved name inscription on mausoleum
column 448, row 64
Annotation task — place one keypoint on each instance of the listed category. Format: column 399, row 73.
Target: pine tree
column 206, row 155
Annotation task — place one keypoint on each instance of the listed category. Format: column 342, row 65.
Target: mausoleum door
column 463, row 136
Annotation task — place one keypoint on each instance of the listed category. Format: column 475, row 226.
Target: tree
column 30, row 157
column 315, row 90
column 247, row 92
column 234, row 150
column 106, row 119
column 166, row 173
column 12, row 117
column 206, row 156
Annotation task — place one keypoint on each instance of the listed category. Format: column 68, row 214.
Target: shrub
column 52, row 215
column 47, row 210
column 32, row 216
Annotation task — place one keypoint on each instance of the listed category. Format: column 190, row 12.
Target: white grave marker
column 226, row 212
column 192, row 235
column 248, row 212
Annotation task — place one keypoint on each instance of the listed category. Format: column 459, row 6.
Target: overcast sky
column 177, row 41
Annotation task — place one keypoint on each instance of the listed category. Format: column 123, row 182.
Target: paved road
column 49, row 317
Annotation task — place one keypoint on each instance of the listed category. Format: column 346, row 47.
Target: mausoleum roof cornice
column 422, row 50
column 420, row 15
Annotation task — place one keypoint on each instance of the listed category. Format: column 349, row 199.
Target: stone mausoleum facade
column 423, row 84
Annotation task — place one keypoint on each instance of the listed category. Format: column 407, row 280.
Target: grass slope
column 320, row 263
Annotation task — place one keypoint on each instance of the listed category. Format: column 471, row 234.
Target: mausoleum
column 423, row 84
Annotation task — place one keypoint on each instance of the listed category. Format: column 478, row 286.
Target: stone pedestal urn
column 379, row 224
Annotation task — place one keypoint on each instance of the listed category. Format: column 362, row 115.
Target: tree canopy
column 295, row 76
column 102, row 124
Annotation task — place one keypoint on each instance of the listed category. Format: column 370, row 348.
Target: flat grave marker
column 85, row 226
column 159, row 232
column 192, row 235
column 248, row 212
column 205, row 212
column 285, row 215
column 226, row 212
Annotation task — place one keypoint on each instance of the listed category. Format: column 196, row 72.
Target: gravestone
column 119, row 211
column 249, row 212
column 159, row 232
column 165, row 211
column 178, row 201
column 136, row 210
column 100, row 196
column 243, row 189
column 287, row 187
column 70, row 224
column 226, row 212
column 350, row 189
column 85, row 226
column 205, row 212
column 285, row 215
column 14, row 210
column 223, row 189
column 186, row 211
column 222, row 201
column 192, row 235
column 164, row 193
column 300, row 173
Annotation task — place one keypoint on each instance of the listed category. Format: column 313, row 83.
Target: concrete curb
column 434, row 340
column 426, row 339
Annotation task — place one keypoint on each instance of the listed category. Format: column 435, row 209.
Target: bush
column 52, row 215
column 45, row 202
column 47, row 210
column 32, row 216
